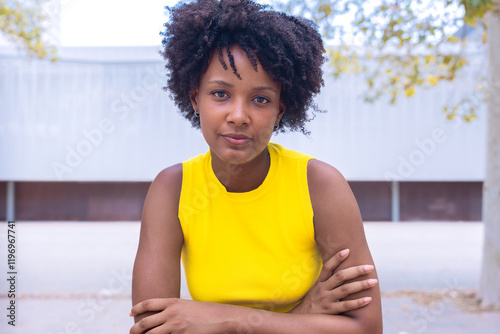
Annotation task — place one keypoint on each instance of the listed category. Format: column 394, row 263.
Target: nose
column 237, row 114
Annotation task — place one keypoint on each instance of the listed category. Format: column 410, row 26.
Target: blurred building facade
column 82, row 139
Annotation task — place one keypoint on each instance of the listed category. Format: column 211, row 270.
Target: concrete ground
column 75, row 277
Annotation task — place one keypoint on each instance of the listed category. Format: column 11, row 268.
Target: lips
column 236, row 138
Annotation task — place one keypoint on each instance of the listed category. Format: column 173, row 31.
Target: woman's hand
column 176, row 315
column 326, row 294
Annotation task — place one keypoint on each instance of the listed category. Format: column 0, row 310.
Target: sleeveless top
column 254, row 249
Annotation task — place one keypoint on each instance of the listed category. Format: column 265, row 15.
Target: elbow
column 374, row 325
column 373, row 328
column 367, row 320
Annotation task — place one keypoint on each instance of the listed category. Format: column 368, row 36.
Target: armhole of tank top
column 184, row 194
column 306, row 197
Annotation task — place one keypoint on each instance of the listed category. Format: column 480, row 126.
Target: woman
column 271, row 239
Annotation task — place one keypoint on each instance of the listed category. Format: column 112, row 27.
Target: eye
column 261, row 99
column 220, row 94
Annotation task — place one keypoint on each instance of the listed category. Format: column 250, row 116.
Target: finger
column 347, row 274
column 146, row 324
column 351, row 288
column 331, row 264
column 349, row 305
column 149, row 305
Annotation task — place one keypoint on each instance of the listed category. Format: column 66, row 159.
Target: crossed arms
column 345, row 298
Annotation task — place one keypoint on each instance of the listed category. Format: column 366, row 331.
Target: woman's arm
column 189, row 316
column 338, row 225
column 341, row 211
column 157, row 264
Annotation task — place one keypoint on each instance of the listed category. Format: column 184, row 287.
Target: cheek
column 265, row 132
column 209, row 124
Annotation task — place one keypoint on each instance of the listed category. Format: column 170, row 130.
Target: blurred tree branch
column 22, row 22
column 399, row 45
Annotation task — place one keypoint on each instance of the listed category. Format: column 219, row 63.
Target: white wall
column 99, row 114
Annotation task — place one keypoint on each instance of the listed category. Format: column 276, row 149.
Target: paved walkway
column 76, row 277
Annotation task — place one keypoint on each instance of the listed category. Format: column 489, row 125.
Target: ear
column 193, row 97
column 280, row 113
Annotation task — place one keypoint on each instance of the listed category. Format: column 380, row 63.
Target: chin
column 236, row 157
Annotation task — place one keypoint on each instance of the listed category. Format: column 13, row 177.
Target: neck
column 245, row 177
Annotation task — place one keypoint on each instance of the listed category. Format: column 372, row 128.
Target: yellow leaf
column 433, row 80
column 325, row 8
column 409, row 91
column 394, row 96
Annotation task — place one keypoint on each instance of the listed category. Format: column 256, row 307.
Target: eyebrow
column 227, row 84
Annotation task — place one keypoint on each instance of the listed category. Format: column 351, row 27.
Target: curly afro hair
column 289, row 49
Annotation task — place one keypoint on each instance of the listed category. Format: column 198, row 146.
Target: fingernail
column 367, row 299
column 368, row 268
column 130, row 313
column 344, row 252
column 372, row 281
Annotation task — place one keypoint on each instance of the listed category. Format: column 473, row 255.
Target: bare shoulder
column 337, row 220
column 169, row 179
column 327, row 186
column 319, row 172
column 164, row 191
column 157, row 263
column 160, row 210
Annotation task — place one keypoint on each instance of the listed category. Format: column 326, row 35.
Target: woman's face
column 237, row 117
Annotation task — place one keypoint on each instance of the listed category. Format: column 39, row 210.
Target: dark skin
column 237, row 118
column 338, row 225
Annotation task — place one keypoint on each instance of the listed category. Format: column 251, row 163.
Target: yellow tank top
column 254, row 249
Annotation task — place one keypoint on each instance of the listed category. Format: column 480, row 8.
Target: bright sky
column 128, row 22
column 113, row 22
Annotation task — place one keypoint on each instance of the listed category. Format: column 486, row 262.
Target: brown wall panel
column 441, row 201
column 111, row 201
column 3, row 201
column 80, row 201
column 374, row 199
column 116, row 201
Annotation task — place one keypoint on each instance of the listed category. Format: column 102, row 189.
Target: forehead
column 237, row 66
